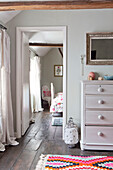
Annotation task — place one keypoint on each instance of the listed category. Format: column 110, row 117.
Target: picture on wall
column 58, row 70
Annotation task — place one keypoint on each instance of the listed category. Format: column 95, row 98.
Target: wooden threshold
column 45, row 45
column 56, row 5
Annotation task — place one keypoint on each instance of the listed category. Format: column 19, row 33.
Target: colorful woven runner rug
column 67, row 162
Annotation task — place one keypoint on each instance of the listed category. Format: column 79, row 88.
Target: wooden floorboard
column 25, row 160
column 40, row 138
column 12, row 153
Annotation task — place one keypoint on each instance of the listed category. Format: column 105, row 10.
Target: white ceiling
column 45, row 37
column 6, row 16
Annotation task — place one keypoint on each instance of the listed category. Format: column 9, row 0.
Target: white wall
column 53, row 57
column 78, row 23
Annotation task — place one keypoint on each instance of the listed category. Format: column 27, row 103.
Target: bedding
column 57, row 103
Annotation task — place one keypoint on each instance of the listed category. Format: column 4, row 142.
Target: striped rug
column 68, row 162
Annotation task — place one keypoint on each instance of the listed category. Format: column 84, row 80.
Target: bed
column 56, row 101
column 56, row 107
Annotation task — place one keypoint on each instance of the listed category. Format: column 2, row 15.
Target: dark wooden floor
column 41, row 138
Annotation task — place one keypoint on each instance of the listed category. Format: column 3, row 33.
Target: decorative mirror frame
column 89, row 37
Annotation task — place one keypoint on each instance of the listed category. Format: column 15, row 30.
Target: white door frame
column 19, row 31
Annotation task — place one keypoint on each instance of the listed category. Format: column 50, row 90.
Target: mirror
column 99, row 48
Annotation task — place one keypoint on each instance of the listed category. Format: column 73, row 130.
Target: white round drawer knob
column 100, row 89
column 100, row 134
column 100, row 117
column 100, row 102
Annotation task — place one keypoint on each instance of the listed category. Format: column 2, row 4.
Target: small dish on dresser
column 108, row 77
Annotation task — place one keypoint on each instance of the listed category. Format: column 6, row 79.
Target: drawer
column 99, row 117
column 96, row 101
column 99, row 89
column 99, row 135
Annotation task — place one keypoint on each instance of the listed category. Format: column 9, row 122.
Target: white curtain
column 35, row 87
column 6, row 112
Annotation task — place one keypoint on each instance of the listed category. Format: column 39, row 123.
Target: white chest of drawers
column 97, row 115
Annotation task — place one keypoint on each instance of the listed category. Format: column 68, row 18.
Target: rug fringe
column 41, row 162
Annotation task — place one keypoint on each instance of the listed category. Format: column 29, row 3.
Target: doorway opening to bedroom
column 46, row 74
column 47, row 52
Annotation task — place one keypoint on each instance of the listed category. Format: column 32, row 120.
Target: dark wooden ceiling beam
column 60, row 51
column 56, row 5
column 45, row 45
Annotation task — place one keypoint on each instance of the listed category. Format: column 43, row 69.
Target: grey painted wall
column 78, row 23
column 48, row 61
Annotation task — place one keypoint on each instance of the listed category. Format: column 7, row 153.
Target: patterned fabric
column 67, row 162
column 47, row 93
column 57, row 104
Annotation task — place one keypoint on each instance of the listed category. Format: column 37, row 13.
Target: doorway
column 20, row 72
